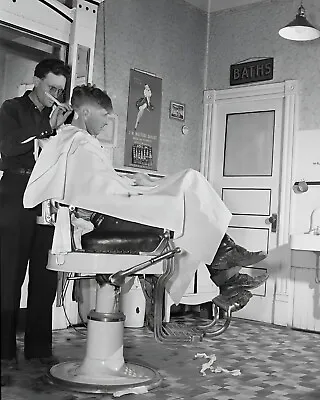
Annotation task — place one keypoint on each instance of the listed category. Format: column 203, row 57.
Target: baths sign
column 251, row 71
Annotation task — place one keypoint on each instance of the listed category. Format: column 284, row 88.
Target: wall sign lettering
column 251, row 71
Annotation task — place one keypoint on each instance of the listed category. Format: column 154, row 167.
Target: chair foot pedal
column 182, row 332
column 235, row 302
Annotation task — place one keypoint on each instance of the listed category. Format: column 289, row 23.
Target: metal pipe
column 118, row 278
column 75, row 278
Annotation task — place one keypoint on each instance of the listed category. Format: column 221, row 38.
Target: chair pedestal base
column 103, row 369
column 131, row 376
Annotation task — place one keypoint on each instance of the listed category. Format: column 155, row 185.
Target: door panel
column 245, row 170
column 255, row 130
column 236, row 199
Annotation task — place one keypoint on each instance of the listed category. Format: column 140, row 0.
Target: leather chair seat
column 116, row 236
column 120, row 242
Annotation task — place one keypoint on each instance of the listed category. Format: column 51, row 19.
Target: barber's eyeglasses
column 55, row 91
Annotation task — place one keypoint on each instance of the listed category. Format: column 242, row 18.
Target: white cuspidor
column 133, row 303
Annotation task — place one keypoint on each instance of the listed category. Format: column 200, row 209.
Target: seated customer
column 74, row 169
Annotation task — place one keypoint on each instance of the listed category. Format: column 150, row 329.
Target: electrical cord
column 63, row 297
column 80, row 316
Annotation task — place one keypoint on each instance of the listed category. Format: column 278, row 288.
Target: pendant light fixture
column 300, row 28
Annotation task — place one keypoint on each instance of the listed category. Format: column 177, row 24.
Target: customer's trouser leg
column 220, row 272
column 229, row 259
column 41, row 294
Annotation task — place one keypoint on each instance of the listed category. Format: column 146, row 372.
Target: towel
column 61, row 243
column 80, row 228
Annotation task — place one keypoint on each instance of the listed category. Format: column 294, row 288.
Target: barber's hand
column 59, row 115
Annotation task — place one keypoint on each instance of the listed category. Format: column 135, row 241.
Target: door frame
column 75, row 27
column 288, row 90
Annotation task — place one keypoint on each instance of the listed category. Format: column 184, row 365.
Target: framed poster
column 177, row 110
column 143, row 121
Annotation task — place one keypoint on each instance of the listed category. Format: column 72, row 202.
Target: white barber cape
column 73, row 169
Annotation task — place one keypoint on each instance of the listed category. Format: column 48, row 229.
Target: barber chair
column 106, row 256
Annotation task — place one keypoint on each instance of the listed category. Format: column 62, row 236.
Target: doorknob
column 273, row 220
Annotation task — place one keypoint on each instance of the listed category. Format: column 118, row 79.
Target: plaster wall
column 167, row 38
column 306, row 167
column 248, row 32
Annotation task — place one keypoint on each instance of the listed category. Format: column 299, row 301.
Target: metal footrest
column 182, row 332
column 228, row 304
column 175, row 332
column 170, row 332
column 236, row 302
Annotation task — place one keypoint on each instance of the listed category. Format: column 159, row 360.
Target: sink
column 305, row 241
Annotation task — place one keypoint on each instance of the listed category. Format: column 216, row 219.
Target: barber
column 22, row 240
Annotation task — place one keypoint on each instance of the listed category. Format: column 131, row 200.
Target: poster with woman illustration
column 143, row 121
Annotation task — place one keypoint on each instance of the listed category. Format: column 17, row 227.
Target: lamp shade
column 300, row 28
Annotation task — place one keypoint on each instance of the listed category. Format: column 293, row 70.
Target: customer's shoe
column 249, row 257
column 44, row 361
column 242, row 281
column 236, row 301
column 230, row 255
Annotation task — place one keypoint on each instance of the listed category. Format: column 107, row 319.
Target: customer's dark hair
column 85, row 94
column 57, row 67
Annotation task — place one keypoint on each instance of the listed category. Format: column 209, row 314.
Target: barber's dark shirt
column 19, row 120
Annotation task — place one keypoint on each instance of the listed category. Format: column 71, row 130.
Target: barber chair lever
column 118, row 278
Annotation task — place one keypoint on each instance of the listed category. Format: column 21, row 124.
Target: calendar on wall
column 142, row 155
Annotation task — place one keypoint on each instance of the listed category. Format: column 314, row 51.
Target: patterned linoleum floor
column 275, row 363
